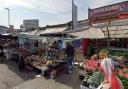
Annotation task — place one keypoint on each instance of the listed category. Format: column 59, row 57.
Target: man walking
column 70, row 57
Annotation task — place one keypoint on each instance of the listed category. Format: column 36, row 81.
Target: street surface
column 12, row 78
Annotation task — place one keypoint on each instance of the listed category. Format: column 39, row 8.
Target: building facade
column 112, row 12
column 3, row 30
column 30, row 24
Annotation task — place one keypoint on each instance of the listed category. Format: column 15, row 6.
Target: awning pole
column 108, row 39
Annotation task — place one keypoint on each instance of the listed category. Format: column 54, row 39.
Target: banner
column 108, row 12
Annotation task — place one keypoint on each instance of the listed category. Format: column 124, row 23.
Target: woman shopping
column 110, row 81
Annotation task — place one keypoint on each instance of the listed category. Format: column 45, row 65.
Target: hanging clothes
column 89, row 51
column 63, row 44
column 77, row 43
column 85, row 44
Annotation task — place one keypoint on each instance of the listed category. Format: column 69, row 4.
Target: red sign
column 108, row 12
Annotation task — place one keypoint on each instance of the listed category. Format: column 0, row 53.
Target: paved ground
column 64, row 81
column 11, row 78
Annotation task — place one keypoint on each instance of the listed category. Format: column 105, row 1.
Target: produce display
column 123, row 76
column 119, row 54
column 123, row 72
column 90, row 65
column 39, row 61
column 124, row 81
column 35, row 59
column 60, row 55
column 92, row 80
column 78, row 54
column 125, row 63
column 122, row 69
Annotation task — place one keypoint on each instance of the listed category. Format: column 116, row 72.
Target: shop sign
column 108, row 12
column 124, row 8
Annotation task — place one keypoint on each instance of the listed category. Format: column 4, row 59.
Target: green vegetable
column 124, row 81
column 93, row 80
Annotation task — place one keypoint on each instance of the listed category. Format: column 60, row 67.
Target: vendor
column 52, row 52
column 107, row 68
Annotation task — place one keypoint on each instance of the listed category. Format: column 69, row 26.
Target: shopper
column 70, row 57
column 107, row 68
column 21, row 63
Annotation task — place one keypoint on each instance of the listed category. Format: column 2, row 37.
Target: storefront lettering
column 111, row 11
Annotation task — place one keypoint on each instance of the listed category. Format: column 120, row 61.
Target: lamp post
column 8, row 17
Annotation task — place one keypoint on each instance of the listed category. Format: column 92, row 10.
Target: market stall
column 41, row 64
column 119, row 55
column 91, row 75
column 10, row 45
column 40, row 49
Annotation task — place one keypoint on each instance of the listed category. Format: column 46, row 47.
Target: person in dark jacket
column 21, row 63
column 70, row 57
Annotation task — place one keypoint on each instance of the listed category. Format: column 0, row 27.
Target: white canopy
column 54, row 30
column 116, row 29
column 28, row 33
column 33, row 32
column 92, row 33
column 39, row 32
column 98, row 33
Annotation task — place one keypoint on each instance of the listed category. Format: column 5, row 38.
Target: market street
column 10, row 75
column 64, row 44
column 41, row 83
column 11, row 78
column 62, row 81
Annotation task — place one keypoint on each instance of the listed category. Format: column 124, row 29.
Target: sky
column 49, row 12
